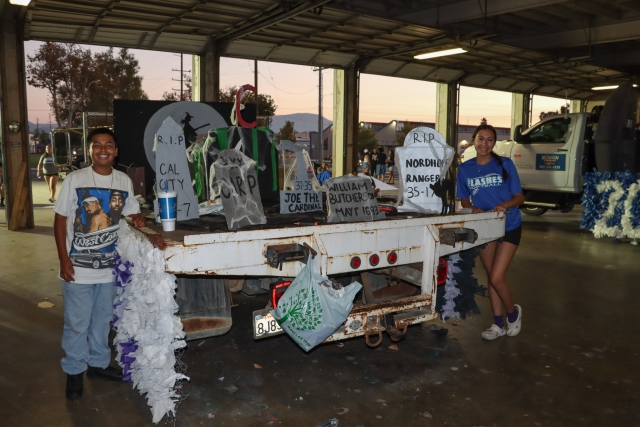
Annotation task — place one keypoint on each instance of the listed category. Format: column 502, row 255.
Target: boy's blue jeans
column 88, row 310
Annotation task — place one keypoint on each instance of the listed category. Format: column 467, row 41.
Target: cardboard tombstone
column 422, row 165
column 172, row 169
column 351, row 198
column 239, row 191
column 302, row 191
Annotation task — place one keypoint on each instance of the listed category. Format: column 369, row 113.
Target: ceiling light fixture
column 607, row 87
column 20, row 2
column 440, row 53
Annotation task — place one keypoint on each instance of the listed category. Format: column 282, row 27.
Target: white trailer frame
column 414, row 240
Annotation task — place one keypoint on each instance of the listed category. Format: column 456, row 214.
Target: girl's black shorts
column 512, row 236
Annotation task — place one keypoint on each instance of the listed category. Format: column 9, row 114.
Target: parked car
column 77, row 158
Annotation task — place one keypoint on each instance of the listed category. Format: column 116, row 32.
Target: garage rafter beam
column 435, row 41
column 137, row 29
column 467, row 10
column 285, row 31
column 629, row 4
column 518, row 21
column 608, row 33
column 353, row 30
column 544, row 18
column 376, row 36
column 269, row 19
column 137, row 15
column 596, row 9
column 116, row 15
column 495, row 24
column 171, row 21
column 567, row 13
column 99, row 19
column 397, row 70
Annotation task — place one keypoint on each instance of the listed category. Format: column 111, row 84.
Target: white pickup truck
column 551, row 157
column 406, row 247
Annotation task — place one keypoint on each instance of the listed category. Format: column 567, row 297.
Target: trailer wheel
column 533, row 210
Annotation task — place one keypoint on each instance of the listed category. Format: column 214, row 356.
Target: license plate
column 264, row 325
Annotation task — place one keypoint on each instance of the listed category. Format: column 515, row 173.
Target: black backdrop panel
column 130, row 119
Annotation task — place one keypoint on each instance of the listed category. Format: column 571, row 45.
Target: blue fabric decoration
column 601, row 190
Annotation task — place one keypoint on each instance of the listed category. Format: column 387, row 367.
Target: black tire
column 533, row 210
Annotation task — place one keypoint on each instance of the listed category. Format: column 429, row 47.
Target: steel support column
column 346, row 84
column 338, row 153
column 517, row 109
column 13, row 101
column 521, row 104
column 206, row 74
column 576, row 106
column 447, row 103
column 353, row 117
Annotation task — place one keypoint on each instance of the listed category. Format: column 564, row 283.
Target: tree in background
column 187, row 94
column 366, row 139
column 406, row 128
column 120, row 80
column 287, row 132
column 266, row 105
column 563, row 109
column 39, row 136
column 79, row 80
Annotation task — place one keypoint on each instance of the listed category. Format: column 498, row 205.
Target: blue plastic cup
column 168, row 207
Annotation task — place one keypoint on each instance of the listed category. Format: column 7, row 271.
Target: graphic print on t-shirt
column 490, row 180
column 95, row 227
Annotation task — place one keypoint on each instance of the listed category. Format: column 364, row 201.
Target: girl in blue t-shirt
column 491, row 183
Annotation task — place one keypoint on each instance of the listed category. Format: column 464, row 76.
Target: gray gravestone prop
column 351, row 198
column 239, row 191
column 303, row 197
column 422, row 162
column 203, row 117
column 172, row 168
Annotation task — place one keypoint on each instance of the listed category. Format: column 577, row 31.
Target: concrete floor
column 576, row 363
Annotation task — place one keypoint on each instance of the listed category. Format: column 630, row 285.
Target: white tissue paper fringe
column 601, row 229
column 149, row 319
column 627, row 217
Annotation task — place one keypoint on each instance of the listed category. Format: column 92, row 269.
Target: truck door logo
column 551, row 162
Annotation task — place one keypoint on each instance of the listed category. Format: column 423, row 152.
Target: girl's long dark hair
column 485, row 126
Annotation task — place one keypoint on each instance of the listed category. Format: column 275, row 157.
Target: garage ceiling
column 547, row 47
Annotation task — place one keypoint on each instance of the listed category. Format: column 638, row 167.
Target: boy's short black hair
column 101, row 131
column 380, row 149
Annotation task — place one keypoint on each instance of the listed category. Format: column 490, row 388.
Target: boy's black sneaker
column 111, row 373
column 74, row 386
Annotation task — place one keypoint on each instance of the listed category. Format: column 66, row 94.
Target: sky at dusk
column 294, row 89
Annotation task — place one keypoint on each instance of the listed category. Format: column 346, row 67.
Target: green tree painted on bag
column 303, row 310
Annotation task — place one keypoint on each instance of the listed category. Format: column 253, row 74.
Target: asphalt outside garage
column 574, row 364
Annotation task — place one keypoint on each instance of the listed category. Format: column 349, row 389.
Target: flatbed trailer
column 405, row 246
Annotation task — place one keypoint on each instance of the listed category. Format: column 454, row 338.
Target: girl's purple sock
column 513, row 316
column 499, row 321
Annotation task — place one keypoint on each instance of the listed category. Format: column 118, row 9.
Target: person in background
column 488, row 183
column 50, row 170
column 323, row 173
column 461, row 147
column 326, row 167
column 374, row 162
column 381, row 168
column 391, row 163
column 366, row 163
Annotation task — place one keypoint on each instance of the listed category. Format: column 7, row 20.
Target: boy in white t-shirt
column 86, row 230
